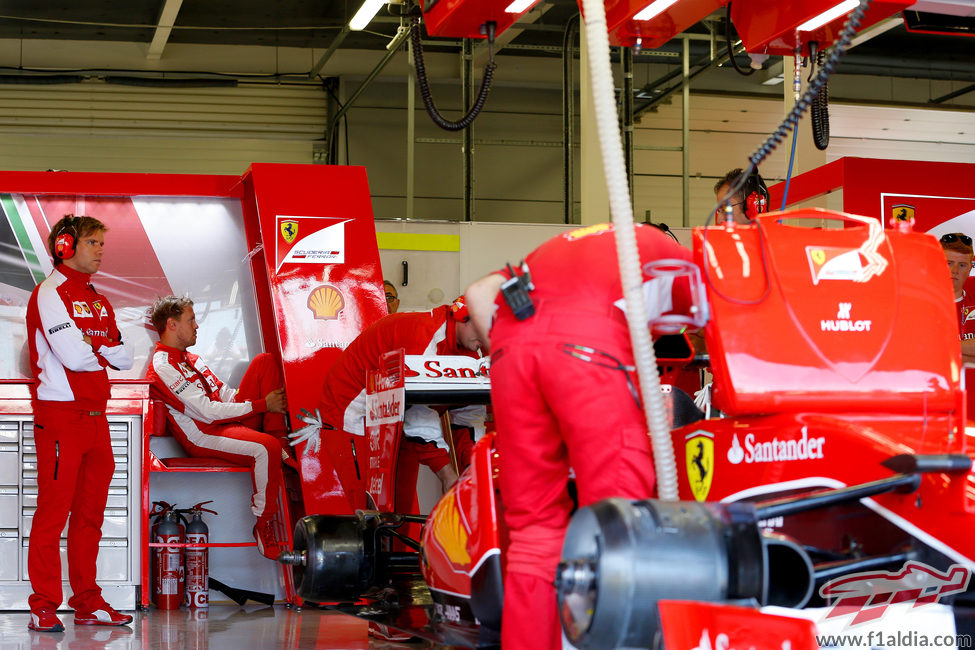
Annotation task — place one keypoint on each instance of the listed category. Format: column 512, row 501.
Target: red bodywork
column 824, row 375
column 831, row 353
column 385, row 405
column 325, row 287
column 463, row 531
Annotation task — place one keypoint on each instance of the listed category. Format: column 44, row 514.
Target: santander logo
column 446, row 369
column 777, row 449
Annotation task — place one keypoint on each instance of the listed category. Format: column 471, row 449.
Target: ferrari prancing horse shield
column 289, row 230
column 699, row 458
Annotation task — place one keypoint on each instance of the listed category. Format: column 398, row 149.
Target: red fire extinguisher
column 197, row 558
column 159, row 508
column 167, row 583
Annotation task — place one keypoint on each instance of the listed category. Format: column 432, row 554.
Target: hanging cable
column 788, row 175
column 822, row 75
column 788, row 124
column 731, row 47
column 421, row 77
column 797, row 85
column 819, row 111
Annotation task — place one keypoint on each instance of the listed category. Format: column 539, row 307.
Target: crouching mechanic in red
column 445, row 330
column 564, row 395
column 72, row 337
column 245, row 426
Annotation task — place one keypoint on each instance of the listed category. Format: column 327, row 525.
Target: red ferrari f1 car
column 841, row 448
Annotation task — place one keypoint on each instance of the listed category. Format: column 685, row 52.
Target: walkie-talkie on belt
column 515, row 291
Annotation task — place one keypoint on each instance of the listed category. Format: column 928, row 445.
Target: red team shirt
column 343, row 403
column 63, row 309
column 563, row 270
column 966, row 331
column 195, row 397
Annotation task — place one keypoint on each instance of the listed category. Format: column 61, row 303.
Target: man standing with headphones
column 73, row 338
column 749, row 202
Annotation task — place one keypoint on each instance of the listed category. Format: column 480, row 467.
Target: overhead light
column 366, row 13
column 654, row 9
column 519, row 6
column 828, row 16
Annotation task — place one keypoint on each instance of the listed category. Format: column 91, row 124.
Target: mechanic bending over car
column 564, row 395
column 444, row 330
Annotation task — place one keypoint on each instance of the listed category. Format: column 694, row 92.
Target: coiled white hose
column 631, row 276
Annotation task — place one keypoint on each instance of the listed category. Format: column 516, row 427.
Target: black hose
column 819, row 111
column 787, row 125
column 421, row 77
column 569, row 37
column 731, row 49
column 825, row 70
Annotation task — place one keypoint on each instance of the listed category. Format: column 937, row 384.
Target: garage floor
column 218, row 628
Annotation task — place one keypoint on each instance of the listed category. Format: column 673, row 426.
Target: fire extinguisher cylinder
column 197, row 561
column 168, row 561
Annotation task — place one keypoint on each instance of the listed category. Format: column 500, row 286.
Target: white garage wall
column 437, row 277
column 95, row 126
column 726, row 130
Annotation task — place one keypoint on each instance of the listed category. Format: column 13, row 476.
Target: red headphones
column 459, row 310
column 756, row 196
column 66, row 240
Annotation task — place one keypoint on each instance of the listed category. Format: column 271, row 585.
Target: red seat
column 191, row 464
column 154, row 424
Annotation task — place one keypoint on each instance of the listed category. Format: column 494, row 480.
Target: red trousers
column 255, row 441
column 74, row 470
column 412, row 454
column 554, row 411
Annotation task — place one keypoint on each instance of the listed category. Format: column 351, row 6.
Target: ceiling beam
column 876, row 29
column 333, row 46
column 164, row 26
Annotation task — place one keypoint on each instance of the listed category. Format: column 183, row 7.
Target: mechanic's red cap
column 459, row 310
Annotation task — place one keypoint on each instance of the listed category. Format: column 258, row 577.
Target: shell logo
column 326, row 302
column 449, row 531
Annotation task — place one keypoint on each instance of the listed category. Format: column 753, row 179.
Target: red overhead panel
column 672, row 19
column 769, row 26
column 464, row 18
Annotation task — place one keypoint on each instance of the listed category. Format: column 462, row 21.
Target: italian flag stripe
column 20, row 232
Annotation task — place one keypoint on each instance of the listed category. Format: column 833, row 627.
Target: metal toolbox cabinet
column 118, row 557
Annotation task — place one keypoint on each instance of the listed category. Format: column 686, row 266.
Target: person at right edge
column 72, row 338
column 564, row 395
column 958, row 252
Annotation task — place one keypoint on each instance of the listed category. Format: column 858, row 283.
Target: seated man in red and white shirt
column 244, row 426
